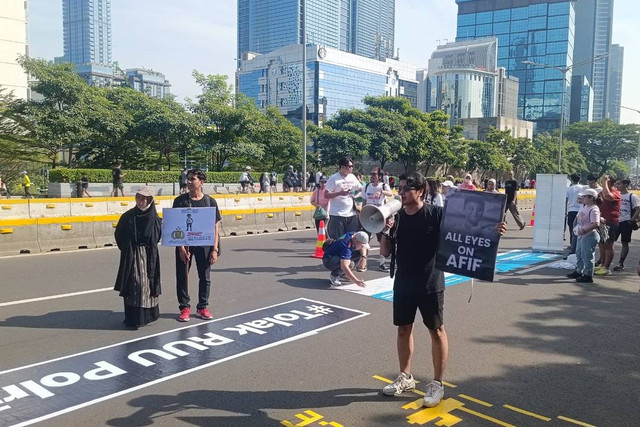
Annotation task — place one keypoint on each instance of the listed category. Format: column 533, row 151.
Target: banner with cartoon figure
column 188, row 226
column 468, row 243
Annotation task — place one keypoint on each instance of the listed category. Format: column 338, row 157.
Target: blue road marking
column 506, row 262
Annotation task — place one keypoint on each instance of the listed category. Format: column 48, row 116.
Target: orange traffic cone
column 321, row 239
column 533, row 216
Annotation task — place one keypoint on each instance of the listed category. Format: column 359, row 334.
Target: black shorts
column 625, row 230
column 614, row 232
column 431, row 307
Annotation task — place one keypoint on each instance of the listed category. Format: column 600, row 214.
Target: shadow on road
column 77, row 319
column 249, row 407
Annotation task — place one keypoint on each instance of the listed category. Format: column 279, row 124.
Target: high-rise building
column 614, row 86
column 581, row 99
column 540, row 31
column 150, row 82
column 13, row 42
column 594, row 19
column 336, row 80
column 363, row 27
column 87, row 38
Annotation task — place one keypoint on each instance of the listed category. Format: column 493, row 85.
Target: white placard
column 550, row 207
column 188, row 226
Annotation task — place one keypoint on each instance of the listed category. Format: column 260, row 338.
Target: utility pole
column 304, row 94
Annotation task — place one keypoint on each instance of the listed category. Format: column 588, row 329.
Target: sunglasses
column 405, row 188
column 348, row 166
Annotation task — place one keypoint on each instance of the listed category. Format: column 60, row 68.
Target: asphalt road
column 530, row 349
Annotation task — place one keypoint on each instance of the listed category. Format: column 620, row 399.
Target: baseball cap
column 589, row 192
column 23, row 173
column 363, row 238
column 323, row 178
column 146, row 191
column 448, row 183
column 248, row 168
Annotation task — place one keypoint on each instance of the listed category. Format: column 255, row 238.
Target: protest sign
column 188, row 226
column 468, row 243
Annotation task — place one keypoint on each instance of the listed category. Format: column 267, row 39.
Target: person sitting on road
column 343, row 254
column 246, row 179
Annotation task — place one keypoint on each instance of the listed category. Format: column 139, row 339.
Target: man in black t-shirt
column 205, row 256
column 511, row 190
column 418, row 284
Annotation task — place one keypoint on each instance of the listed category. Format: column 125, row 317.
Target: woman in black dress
column 137, row 235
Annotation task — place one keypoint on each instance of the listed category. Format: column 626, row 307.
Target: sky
column 176, row 37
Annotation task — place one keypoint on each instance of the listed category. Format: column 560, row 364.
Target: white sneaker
column 403, row 383
column 335, row 280
column 434, row 394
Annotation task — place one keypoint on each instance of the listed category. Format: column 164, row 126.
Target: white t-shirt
column 342, row 205
column 373, row 194
column 628, row 203
column 436, row 200
column 572, row 197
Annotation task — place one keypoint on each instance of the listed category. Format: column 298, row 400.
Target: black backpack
column 327, row 243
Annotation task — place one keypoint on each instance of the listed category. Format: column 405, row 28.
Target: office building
column 13, row 43
column 150, row 82
column 594, row 20
column 582, row 99
column 464, row 81
column 363, row 27
column 614, row 82
column 335, row 80
column 478, row 128
column 540, row 31
column 87, row 39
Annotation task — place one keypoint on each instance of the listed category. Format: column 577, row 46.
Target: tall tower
column 87, row 39
column 540, row 31
column 363, row 27
column 13, row 42
column 87, row 31
column 614, row 86
column 594, row 19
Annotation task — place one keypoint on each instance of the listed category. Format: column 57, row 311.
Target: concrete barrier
column 92, row 206
column 48, row 208
column 299, row 217
column 104, row 227
column 18, row 236
column 270, row 220
column 57, row 234
column 235, row 202
column 240, row 221
column 14, row 208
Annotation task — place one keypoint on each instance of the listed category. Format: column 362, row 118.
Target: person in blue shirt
column 343, row 254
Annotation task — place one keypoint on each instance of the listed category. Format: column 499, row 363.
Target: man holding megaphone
column 412, row 240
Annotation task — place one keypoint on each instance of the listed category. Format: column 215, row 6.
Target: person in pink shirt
column 468, row 183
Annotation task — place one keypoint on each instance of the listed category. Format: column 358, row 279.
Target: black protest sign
column 468, row 243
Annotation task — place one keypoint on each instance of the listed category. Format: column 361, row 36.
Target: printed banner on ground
column 188, row 226
column 468, row 237
column 41, row 391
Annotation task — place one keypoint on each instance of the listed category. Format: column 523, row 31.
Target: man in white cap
column 246, row 179
column 343, row 254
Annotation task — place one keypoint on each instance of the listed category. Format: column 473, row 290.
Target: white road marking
column 73, row 294
column 537, row 267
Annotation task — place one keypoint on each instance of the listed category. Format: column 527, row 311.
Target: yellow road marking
column 383, row 379
column 485, row 417
column 449, row 384
column 478, row 401
column 531, row 414
column 571, row 420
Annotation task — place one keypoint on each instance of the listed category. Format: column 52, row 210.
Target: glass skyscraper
column 363, row 27
column 540, row 31
column 87, row 32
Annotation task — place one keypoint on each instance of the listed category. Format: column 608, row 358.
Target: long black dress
column 137, row 235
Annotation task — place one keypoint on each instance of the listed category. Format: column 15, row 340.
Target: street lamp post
column 564, row 71
column 638, row 154
column 304, row 95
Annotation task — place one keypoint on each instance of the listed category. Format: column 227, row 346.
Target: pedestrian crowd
column 597, row 214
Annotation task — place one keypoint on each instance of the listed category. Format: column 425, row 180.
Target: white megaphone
column 374, row 218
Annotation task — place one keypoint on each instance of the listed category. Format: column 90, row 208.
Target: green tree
column 224, row 119
column 333, row 144
column 547, row 161
column 603, row 142
column 486, row 157
column 279, row 139
column 59, row 121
